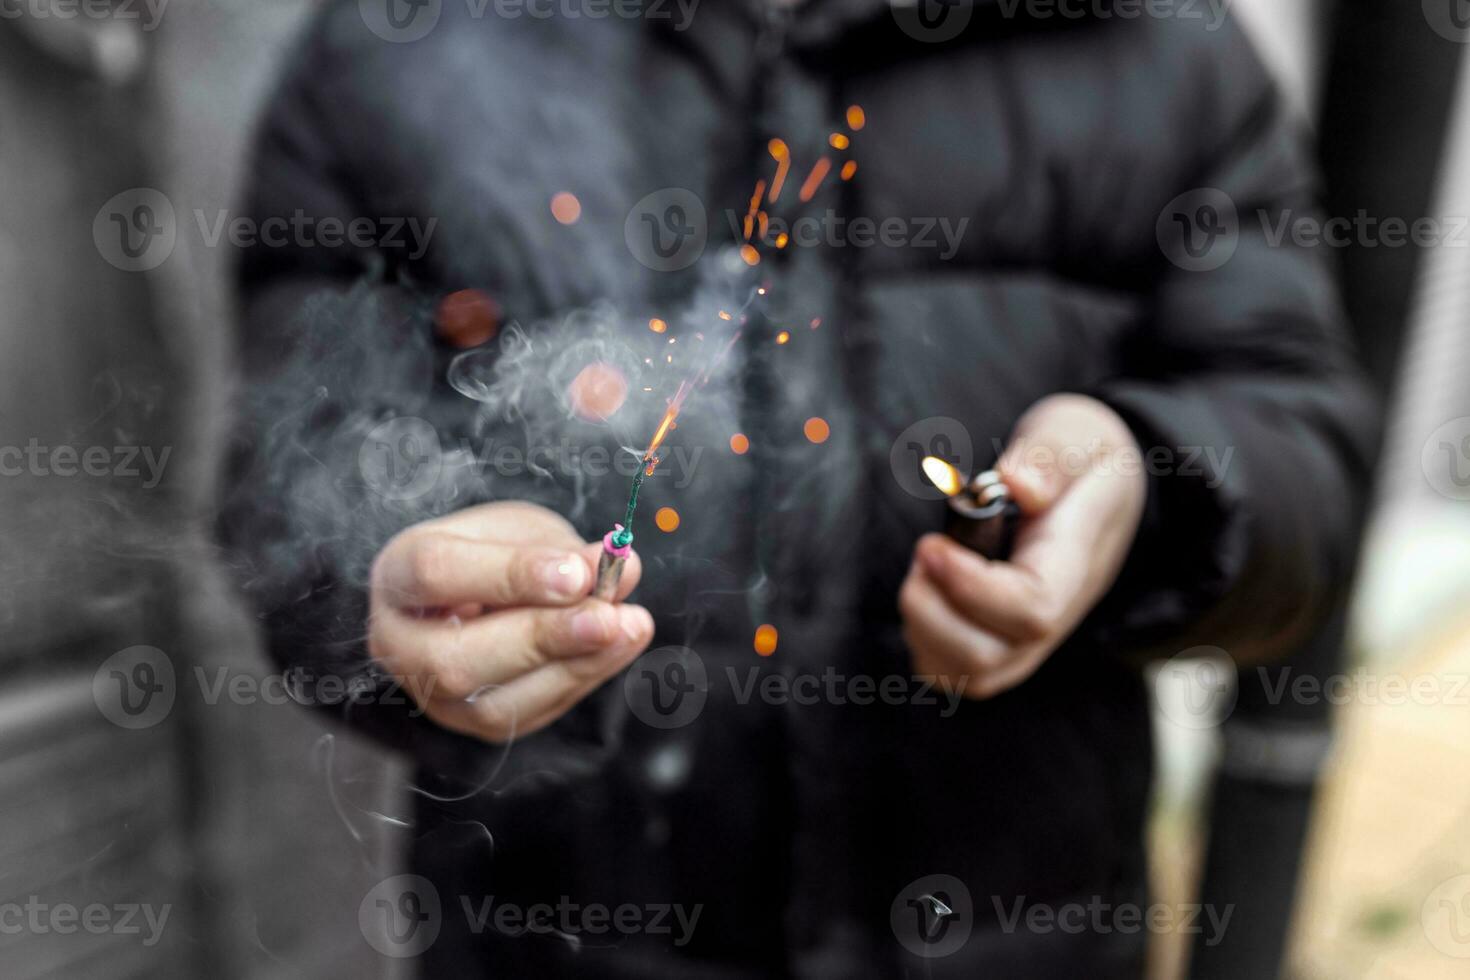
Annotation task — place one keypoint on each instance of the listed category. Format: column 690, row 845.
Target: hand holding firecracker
column 992, row 623
column 487, row 619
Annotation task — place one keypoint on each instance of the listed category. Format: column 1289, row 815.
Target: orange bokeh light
column 597, row 392
column 739, row 444
column 817, row 430
column 667, row 519
column 765, row 640
column 657, row 325
column 783, row 336
column 856, row 118
column 565, row 208
column 467, row 318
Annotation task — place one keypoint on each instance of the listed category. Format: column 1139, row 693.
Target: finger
column 1034, row 491
column 531, row 702
column 1002, row 596
column 942, row 641
column 1073, row 549
column 632, row 570
column 428, row 569
column 500, row 646
column 511, row 522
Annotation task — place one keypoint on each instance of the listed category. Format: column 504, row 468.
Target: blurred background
column 1348, row 809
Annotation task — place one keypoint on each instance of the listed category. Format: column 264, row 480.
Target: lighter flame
column 943, row 476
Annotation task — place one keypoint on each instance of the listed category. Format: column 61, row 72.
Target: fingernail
column 590, row 627
column 565, row 576
column 635, row 621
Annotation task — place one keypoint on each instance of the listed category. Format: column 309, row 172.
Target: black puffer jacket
column 1056, row 148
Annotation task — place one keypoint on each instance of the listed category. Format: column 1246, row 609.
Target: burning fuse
column 982, row 514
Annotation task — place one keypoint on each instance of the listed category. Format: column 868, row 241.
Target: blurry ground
column 1388, row 887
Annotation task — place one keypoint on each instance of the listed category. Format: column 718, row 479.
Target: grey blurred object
column 93, row 813
column 1385, row 103
column 222, row 812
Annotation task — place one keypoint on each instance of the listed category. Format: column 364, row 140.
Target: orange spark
column 755, row 204
column 848, row 169
column 838, row 141
column 675, row 403
column 739, row 444
column 749, row 254
column 856, row 118
column 783, row 336
column 765, row 639
column 657, row 325
column 816, row 430
column 782, row 157
column 814, row 179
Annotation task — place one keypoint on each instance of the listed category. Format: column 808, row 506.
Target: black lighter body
column 983, row 516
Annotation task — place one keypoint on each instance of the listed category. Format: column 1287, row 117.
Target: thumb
column 1033, row 490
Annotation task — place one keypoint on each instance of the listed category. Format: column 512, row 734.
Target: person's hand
column 1075, row 469
column 486, row 618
